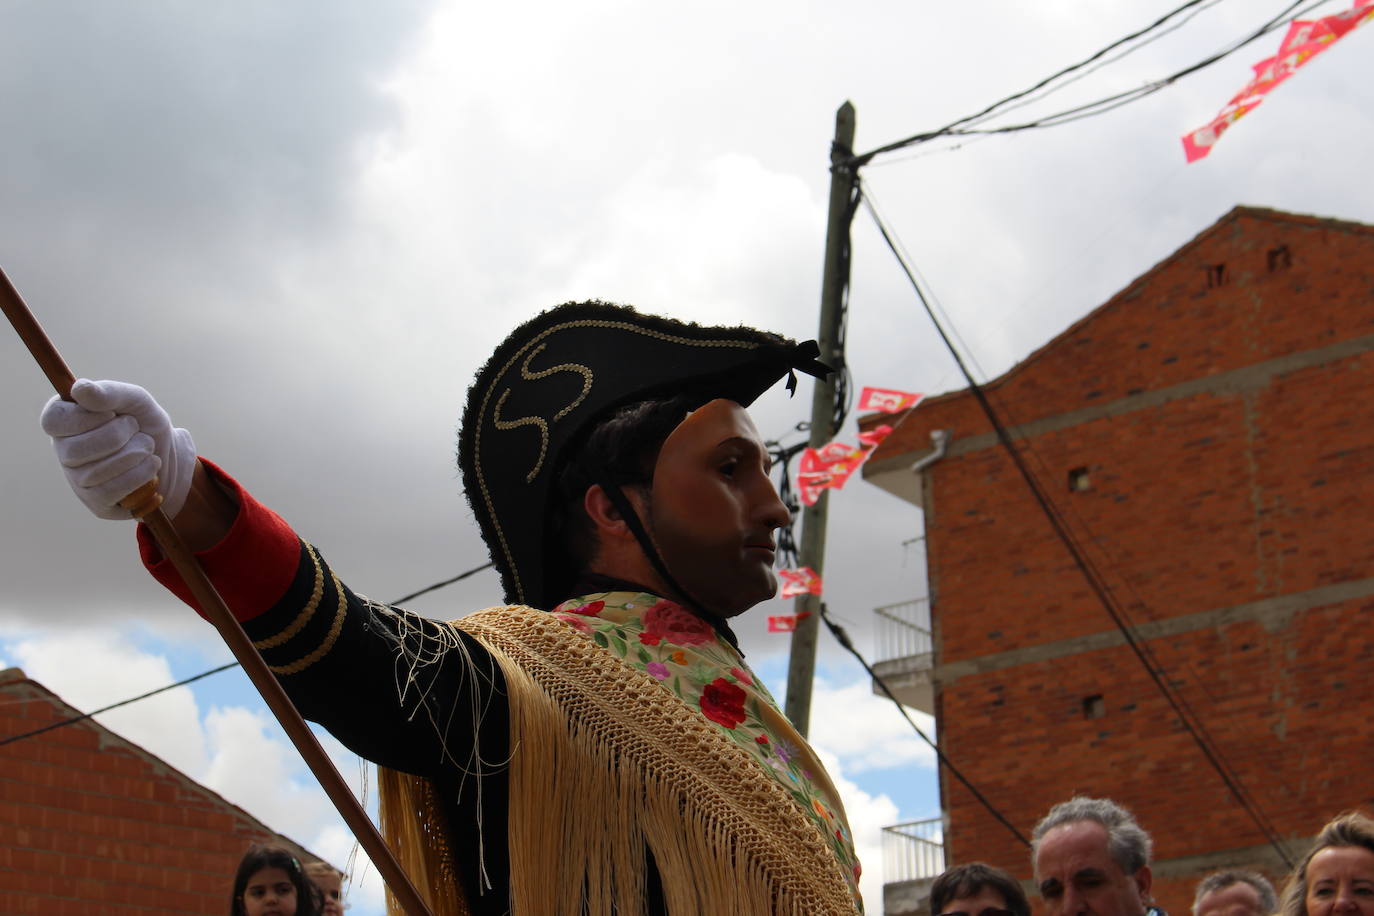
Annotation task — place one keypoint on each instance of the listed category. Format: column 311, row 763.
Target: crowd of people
column 1089, row 856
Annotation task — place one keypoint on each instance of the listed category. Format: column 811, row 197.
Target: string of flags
column 1306, row 38
column 786, row 623
column 829, row 468
column 803, row 581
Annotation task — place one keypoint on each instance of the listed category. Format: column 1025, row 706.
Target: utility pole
column 801, row 664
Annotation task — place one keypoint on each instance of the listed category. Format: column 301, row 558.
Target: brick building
column 91, row 823
column 1208, row 433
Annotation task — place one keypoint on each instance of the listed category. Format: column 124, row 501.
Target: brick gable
column 92, row 823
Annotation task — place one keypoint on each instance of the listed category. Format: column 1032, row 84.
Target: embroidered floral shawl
column 634, row 725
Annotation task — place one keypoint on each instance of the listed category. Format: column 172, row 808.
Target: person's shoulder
column 500, row 614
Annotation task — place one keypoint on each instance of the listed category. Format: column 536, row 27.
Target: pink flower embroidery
column 674, row 623
column 742, row 676
column 657, row 669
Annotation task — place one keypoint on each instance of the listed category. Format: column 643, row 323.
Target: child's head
column 329, row 880
column 271, row 882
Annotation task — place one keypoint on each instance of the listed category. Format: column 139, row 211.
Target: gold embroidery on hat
column 540, row 423
column 581, row 323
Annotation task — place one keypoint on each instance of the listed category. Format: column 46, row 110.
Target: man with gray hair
column 1235, row 893
column 1091, row 857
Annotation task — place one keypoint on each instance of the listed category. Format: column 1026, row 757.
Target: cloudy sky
column 303, row 227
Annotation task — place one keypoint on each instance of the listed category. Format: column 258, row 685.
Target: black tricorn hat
column 560, row 372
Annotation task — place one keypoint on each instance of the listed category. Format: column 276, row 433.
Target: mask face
column 714, row 511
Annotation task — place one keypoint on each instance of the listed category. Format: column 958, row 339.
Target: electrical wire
column 142, row 696
column 789, row 553
column 843, row 639
column 438, row 585
column 1089, row 109
column 1083, row 74
column 195, row 677
column 1191, row 722
column 1023, row 94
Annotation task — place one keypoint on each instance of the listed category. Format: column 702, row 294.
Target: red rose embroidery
column 669, row 621
column 723, row 703
column 587, row 610
column 761, row 739
column 649, row 639
column 576, row 622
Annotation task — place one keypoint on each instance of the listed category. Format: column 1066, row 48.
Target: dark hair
column 967, row 880
column 1353, row 828
column 623, row 447
column 259, row 857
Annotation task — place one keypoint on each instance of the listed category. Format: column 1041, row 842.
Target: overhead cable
column 1089, row 109
column 1191, row 722
column 195, row 677
column 843, row 639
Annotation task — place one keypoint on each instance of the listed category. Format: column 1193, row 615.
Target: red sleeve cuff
column 251, row 568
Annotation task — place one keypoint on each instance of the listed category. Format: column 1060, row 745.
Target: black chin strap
column 631, row 517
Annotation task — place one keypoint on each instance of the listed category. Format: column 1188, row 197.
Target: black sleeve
column 406, row 692
column 397, row 688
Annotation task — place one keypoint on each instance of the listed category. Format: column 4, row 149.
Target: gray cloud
column 304, row 226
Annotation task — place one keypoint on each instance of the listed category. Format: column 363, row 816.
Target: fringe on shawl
column 414, row 828
column 606, row 762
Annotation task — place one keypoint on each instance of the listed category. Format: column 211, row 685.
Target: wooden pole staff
column 145, row 503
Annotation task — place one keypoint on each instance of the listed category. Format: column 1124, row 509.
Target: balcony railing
column 903, row 630
column 913, row 851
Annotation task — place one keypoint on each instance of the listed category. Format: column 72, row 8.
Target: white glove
column 115, row 438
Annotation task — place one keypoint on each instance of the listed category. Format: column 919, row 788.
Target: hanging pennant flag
column 1304, row 40
column 1199, row 142
column 831, row 465
column 786, row 623
column 887, row 400
column 872, row 438
column 803, row 581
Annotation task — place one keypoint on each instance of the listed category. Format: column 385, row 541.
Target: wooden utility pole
column 801, row 665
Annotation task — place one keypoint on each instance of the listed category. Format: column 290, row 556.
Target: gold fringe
column 605, row 761
column 414, row 828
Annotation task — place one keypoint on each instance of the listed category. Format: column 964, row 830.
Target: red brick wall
column 1253, row 491
column 90, row 824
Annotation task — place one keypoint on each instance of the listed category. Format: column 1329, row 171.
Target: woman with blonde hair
column 1337, row 877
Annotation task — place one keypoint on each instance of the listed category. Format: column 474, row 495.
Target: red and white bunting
column 785, row 623
column 803, row 581
column 830, row 466
column 1305, row 39
column 888, row 400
